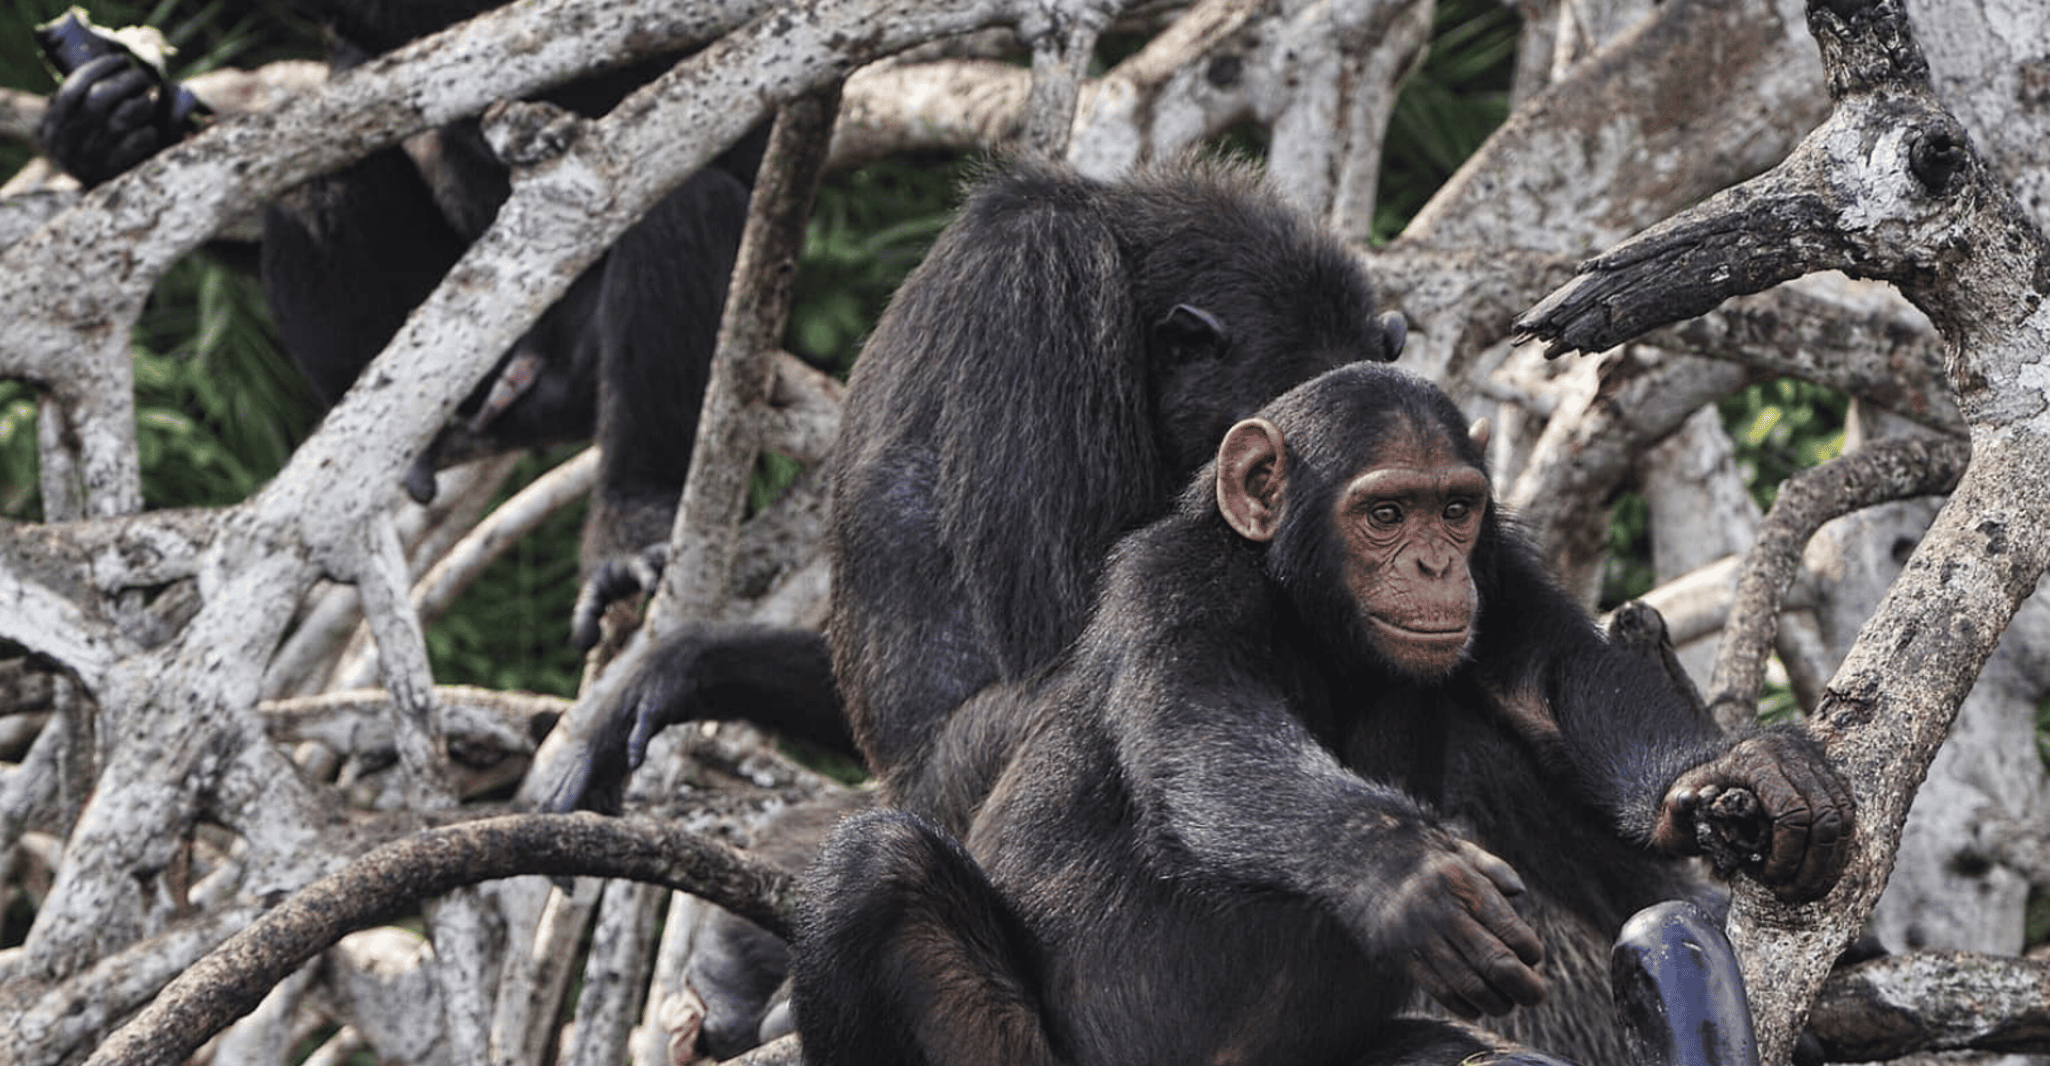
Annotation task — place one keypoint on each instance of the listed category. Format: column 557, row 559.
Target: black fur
column 1032, row 394
column 1207, row 833
column 1042, row 384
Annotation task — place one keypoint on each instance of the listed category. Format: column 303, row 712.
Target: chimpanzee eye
column 1385, row 514
column 1457, row 511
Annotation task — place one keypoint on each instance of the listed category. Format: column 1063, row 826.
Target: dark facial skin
column 1409, row 525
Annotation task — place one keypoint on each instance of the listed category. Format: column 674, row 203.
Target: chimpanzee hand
column 633, row 713
column 103, row 120
column 1770, row 804
column 1451, row 923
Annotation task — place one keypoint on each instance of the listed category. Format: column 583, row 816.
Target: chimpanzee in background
column 1328, row 730
column 347, row 256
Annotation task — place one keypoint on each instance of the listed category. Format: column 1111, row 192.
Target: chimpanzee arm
column 1229, row 786
column 780, row 678
column 1638, row 748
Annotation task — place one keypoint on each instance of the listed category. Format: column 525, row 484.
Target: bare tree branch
column 1889, row 187
column 1904, row 1005
column 1879, row 473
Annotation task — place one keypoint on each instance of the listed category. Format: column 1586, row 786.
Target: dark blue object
column 1679, row 991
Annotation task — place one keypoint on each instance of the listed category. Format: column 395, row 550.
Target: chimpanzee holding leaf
column 1330, row 738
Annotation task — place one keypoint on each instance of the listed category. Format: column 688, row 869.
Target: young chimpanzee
column 347, row 256
column 1328, row 731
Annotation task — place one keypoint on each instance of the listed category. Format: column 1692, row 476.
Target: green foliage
column 2043, row 732
column 510, row 630
column 1447, row 107
column 19, row 498
column 1780, row 428
column 869, row 227
column 2036, row 919
column 1627, row 572
column 218, row 409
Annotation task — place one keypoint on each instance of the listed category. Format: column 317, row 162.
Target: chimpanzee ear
column 1480, row 433
column 1189, row 332
column 1395, row 332
column 1251, row 478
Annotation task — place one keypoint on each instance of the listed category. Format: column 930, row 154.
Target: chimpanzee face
column 1386, row 562
column 1407, row 525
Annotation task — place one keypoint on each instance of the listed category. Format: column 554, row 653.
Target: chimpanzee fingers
column 1808, row 810
column 77, row 124
column 1474, row 973
column 648, row 720
column 130, row 150
column 1504, row 876
column 1810, row 848
column 98, row 86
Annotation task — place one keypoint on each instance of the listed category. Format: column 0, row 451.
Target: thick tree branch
column 1826, row 332
column 1904, row 1005
column 1638, row 398
column 233, row 978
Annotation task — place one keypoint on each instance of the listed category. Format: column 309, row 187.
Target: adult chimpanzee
column 347, row 256
column 1327, row 731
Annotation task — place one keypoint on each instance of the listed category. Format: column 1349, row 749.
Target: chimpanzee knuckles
column 101, row 121
column 1470, row 950
column 1809, row 814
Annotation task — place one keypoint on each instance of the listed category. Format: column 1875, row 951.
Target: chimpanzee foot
column 1679, row 991
column 617, row 578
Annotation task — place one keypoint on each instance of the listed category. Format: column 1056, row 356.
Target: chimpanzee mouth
column 1453, row 635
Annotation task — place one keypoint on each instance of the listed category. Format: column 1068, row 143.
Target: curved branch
column 1879, row 473
column 1874, row 348
column 233, row 978
column 1639, row 399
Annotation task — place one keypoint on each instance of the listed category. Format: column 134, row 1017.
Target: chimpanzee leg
column 345, row 258
column 658, row 321
column 906, row 955
column 1679, row 990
